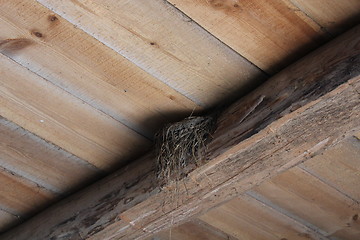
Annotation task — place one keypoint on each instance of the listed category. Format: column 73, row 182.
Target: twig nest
column 182, row 144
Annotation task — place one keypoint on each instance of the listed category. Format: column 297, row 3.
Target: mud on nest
column 181, row 146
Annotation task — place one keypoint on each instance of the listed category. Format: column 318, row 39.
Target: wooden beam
column 309, row 107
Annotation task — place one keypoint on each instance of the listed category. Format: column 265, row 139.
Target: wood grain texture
column 47, row 165
column 335, row 16
column 192, row 230
column 164, row 43
column 270, row 34
column 21, row 197
column 53, row 114
column 313, row 201
column 310, row 107
column 247, row 218
column 56, row 50
column 7, row 220
column 339, row 168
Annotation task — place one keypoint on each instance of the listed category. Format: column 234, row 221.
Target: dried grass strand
column 181, row 144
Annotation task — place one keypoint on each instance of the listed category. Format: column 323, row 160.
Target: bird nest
column 181, row 146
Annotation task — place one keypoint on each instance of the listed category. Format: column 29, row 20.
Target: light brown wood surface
column 164, row 43
column 55, row 115
column 84, row 67
column 20, row 196
column 310, row 199
column 192, row 230
column 270, row 34
column 42, row 163
column 247, row 218
column 333, row 15
column 339, row 168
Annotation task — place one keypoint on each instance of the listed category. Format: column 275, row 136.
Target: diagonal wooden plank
column 339, row 168
column 53, row 114
column 314, row 201
column 22, row 197
column 270, row 34
column 247, row 218
column 7, row 220
column 192, row 230
column 166, row 44
column 308, row 108
column 335, row 16
column 44, row 164
column 53, row 48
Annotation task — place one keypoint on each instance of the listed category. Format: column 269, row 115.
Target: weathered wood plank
column 164, row 43
column 309, row 107
column 247, row 218
column 339, row 168
column 335, row 16
column 53, row 48
column 46, row 165
column 55, row 115
column 313, row 201
column 270, row 34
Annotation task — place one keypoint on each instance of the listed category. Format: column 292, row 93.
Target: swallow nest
column 181, row 146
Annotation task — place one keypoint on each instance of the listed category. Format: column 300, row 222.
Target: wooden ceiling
column 85, row 84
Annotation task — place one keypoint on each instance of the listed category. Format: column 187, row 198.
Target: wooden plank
column 312, row 200
column 164, row 43
column 63, row 119
column 270, row 34
column 7, row 220
column 247, row 218
column 46, row 165
column 335, row 16
column 308, row 108
column 192, row 230
column 84, row 67
column 339, row 168
column 22, row 197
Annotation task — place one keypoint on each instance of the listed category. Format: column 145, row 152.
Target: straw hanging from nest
column 182, row 144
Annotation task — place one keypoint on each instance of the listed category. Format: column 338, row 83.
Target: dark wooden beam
column 305, row 109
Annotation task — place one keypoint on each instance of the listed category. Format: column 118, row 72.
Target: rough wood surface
column 163, row 42
column 50, row 46
column 309, row 107
column 270, row 34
